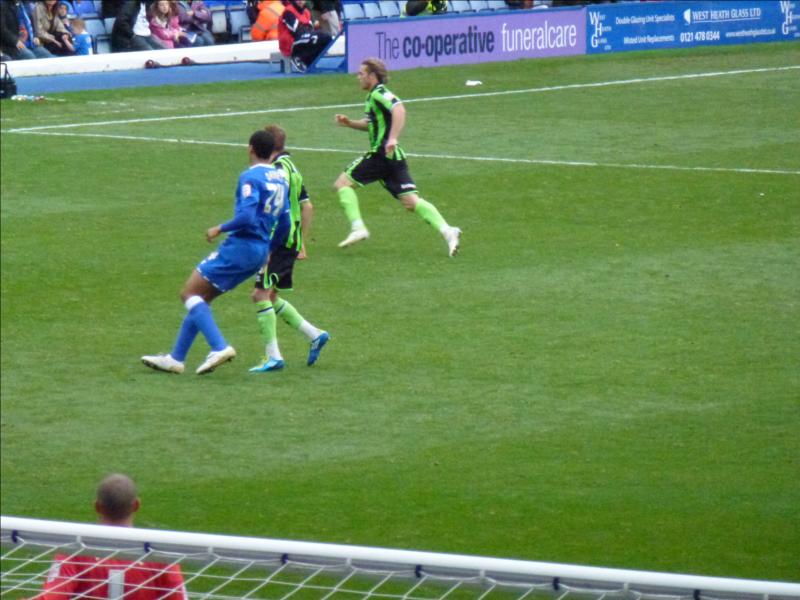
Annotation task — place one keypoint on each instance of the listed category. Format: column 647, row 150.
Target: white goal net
column 47, row 559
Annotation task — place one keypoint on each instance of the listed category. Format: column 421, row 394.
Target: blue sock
column 200, row 313
column 186, row 335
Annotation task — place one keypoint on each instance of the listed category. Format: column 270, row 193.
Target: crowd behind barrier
column 46, row 29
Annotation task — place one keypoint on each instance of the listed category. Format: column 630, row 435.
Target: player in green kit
column 385, row 161
column 276, row 276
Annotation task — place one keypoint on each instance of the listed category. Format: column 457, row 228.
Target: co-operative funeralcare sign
column 455, row 40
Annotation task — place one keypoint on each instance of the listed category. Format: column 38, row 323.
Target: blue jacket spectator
column 81, row 38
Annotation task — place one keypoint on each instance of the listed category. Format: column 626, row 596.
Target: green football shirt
column 378, row 108
column 297, row 194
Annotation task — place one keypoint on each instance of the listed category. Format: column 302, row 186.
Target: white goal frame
column 474, row 570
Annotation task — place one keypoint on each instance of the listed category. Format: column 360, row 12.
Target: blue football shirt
column 262, row 197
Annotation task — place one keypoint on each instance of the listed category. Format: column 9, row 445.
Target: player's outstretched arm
column 345, row 121
column 213, row 232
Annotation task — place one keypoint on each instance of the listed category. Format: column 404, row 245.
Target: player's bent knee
column 341, row 182
column 409, row 202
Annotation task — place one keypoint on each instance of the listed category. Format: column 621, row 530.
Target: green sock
column 288, row 313
column 430, row 214
column 349, row 201
column 266, row 321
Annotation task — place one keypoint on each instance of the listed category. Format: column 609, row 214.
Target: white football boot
column 452, row 236
column 355, row 236
column 163, row 362
column 215, row 359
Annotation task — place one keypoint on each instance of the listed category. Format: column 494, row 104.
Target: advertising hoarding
column 455, row 39
column 650, row 26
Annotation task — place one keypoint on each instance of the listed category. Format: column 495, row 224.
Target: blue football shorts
column 235, row 261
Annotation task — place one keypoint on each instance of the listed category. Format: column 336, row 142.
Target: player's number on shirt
column 277, row 198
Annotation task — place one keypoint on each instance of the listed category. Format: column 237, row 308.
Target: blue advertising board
column 659, row 25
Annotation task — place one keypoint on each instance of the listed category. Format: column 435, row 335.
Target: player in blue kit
column 261, row 199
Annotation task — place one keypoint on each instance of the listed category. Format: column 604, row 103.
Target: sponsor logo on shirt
column 55, row 569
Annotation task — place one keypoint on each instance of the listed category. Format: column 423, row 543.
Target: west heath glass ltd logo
column 787, row 11
column 596, row 19
column 722, row 15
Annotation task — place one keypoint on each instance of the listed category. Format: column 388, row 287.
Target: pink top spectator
column 165, row 30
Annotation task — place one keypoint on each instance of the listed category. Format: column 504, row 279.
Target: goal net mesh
column 224, row 567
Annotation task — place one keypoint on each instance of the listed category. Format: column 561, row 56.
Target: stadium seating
column 458, row 6
column 85, row 9
column 103, row 45
column 95, row 28
column 100, row 30
column 239, row 24
column 219, row 19
column 371, row 10
column 389, row 8
column 352, row 11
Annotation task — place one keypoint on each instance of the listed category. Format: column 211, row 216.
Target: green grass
column 607, row 374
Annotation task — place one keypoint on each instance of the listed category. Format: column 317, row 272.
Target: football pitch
column 606, row 375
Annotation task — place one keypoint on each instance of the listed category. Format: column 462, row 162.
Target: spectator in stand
column 251, row 6
column 327, row 13
column 298, row 37
column 265, row 26
column 84, row 576
column 427, row 7
column 519, row 4
column 132, row 30
column 17, row 38
column 195, row 18
column 109, row 9
column 165, row 26
column 50, row 30
column 64, row 10
column 81, row 38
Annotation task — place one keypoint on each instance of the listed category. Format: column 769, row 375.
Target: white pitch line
column 554, row 88
column 529, row 161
